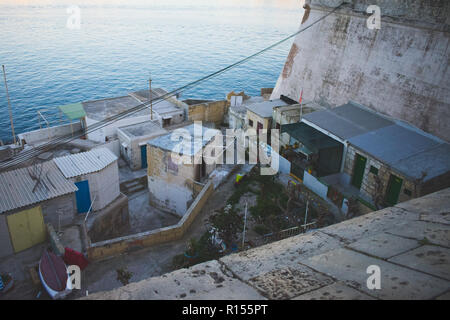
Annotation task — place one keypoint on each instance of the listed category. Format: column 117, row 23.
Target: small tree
column 228, row 224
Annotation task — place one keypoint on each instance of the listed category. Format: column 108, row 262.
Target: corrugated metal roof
column 16, row 186
column 348, row 120
column 85, row 162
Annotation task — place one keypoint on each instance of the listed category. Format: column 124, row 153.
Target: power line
column 27, row 155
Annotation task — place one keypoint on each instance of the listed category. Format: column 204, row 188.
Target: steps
column 133, row 186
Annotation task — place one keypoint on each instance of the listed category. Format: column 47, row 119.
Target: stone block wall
column 209, row 112
column 368, row 186
column 113, row 247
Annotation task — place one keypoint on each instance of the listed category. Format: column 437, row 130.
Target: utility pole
column 150, row 96
column 9, row 105
column 306, row 215
column 245, row 224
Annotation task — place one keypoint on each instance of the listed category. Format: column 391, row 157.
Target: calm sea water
column 118, row 46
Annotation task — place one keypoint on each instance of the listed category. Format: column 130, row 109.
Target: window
column 166, row 122
column 374, row 170
column 250, row 122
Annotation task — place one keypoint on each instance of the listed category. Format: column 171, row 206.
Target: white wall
column 104, row 185
column 169, row 196
column 113, row 146
column 315, row 185
column 111, row 129
column 45, row 134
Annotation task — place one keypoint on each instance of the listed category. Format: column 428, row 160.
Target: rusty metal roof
column 85, row 162
column 19, row 188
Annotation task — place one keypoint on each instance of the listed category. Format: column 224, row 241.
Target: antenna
column 150, row 96
column 9, row 105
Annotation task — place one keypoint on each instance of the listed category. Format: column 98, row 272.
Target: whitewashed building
column 96, row 175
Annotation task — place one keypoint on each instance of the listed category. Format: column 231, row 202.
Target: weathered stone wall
column 208, row 112
column 110, row 222
column 60, row 210
column 400, row 70
column 168, row 188
column 108, row 248
column 368, row 185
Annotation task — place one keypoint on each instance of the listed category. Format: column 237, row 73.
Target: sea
column 61, row 52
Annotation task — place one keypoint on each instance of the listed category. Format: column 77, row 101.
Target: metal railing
column 283, row 234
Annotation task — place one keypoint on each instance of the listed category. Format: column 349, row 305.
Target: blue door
column 83, row 196
column 144, row 156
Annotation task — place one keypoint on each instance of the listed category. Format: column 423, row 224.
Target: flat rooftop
column 161, row 106
column 407, row 150
column 245, row 103
column 105, row 108
column 265, row 109
column 143, row 129
column 348, row 120
column 168, row 142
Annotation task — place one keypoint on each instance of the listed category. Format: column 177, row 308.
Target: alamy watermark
column 74, row 20
column 212, row 147
column 374, row 280
column 74, row 276
column 374, row 21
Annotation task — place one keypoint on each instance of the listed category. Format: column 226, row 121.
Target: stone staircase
column 133, row 186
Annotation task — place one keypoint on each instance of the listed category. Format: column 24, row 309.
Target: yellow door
column 26, row 228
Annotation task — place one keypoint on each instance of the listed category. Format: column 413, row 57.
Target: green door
column 358, row 172
column 393, row 190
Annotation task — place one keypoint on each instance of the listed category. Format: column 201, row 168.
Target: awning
column 311, row 138
column 73, row 111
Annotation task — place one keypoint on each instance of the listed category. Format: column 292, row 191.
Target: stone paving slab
column 284, row 253
column 443, row 217
column 432, row 204
column 201, row 282
column 431, row 259
column 335, row 291
column 370, row 224
column 287, row 283
column 445, row 296
column 396, row 282
column 434, row 233
column 384, row 245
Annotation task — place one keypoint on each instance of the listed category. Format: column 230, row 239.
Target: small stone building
column 396, row 163
column 171, row 184
column 29, row 198
column 237, row 111
column 96, row 175
column 291, row 114
column 259, row 115
column 133, row 142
